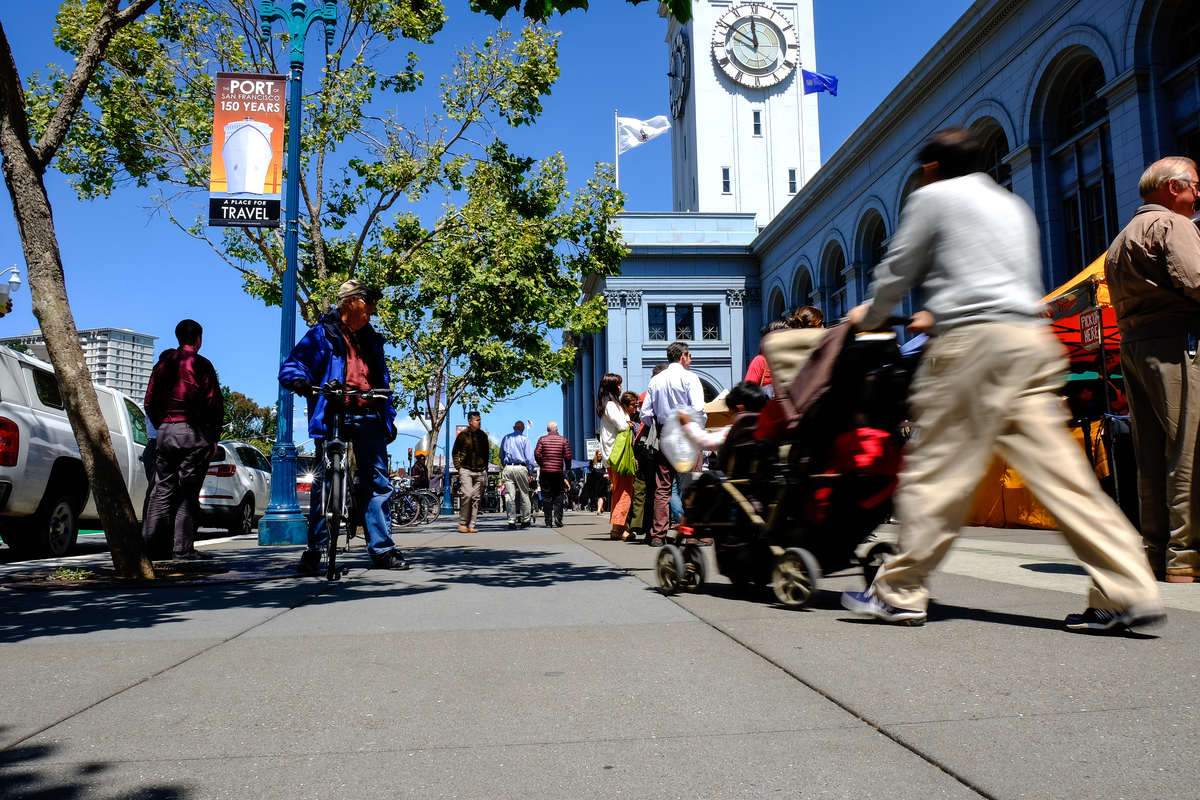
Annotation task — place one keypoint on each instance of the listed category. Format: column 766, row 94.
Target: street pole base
column 282, row 530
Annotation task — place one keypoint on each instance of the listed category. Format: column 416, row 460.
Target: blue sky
column 127, row 268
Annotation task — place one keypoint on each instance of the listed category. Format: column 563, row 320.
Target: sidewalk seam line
column 144, row 679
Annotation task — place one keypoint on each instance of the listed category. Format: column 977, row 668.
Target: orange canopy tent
column 1063, row 307
column 1003, row 501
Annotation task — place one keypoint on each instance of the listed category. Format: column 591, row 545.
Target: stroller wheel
column 669, row 568
column 694, row 571
column 872, row 560
column 794, row 579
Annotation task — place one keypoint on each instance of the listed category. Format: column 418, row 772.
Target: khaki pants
column 516, row 492
column 1163, row 386
column 472, row 490
column 989, row 389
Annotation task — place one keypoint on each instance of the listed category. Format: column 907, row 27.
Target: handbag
column 621, row 459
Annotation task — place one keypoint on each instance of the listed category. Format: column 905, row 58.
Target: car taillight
column 223, row 470
column 303, row 487
column 10, row 442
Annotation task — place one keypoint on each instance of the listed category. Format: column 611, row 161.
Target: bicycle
column 336, row 502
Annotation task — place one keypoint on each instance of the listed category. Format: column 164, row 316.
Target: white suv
column 237, row 488
column 43, row 489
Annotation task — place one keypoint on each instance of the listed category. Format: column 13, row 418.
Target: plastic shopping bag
column 676, row 447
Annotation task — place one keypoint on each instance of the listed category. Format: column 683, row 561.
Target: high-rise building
column 116, row 357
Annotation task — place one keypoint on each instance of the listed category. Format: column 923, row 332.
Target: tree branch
column 107, row 26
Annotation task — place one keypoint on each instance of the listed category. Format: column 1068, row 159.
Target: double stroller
column 804, row 483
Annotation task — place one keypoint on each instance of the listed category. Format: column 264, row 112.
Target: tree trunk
column 23, row 171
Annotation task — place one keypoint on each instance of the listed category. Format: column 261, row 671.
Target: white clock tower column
column 744, row 137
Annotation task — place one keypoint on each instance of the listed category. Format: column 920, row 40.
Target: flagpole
column 617, row 147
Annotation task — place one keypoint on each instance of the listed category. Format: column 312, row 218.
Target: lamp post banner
column 246, row 184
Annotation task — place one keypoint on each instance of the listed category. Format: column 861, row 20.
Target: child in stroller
column 804, row 482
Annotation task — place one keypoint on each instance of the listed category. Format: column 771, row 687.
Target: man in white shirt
column 675, row 387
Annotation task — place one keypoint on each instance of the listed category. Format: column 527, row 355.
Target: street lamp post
column 283, row 523
column 447, row 501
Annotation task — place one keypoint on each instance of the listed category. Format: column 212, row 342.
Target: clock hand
column 754, row 33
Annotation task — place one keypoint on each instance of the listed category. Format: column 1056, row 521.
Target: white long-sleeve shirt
column 674, row 387
column 613, row 422
column 972, row 247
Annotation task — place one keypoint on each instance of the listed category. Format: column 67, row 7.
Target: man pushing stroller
column 987, row 384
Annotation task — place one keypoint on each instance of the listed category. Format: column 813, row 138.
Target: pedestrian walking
column 614, row 423
column 518, row 465
column 472, row 452
column 553, row 456
column 185, row 404
column 987, row 384
column 597, row 483
column 1153, row 274
column 344, row 347
column 675, row 387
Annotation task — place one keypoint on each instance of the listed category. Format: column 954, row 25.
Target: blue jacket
column 321, row 356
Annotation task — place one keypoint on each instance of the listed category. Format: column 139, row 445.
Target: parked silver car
column 236, row 489
column 305, row 474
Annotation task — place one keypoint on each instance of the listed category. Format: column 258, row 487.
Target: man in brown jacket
column 1153, row 272
column 472, row 451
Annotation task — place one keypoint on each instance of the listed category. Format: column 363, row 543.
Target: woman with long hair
column 613, row 420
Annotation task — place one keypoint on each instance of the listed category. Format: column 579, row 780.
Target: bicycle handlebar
column 335, row 389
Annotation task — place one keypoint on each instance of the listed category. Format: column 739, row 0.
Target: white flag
column 634, row 132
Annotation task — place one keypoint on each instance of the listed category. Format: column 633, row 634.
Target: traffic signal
column 410, row 454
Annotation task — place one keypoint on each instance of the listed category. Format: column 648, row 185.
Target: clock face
column 755, row 45
column 679, row 74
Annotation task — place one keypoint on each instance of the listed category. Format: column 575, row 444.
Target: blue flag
column 816, row 82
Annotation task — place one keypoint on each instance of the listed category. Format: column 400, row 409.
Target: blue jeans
column 367, row 435
column 676, row 499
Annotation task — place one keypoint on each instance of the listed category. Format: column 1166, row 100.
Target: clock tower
column 744, row 137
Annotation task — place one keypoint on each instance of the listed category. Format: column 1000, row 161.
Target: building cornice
column 958, row 44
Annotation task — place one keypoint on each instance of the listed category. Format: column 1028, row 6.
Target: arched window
column 871, row 250
column 1080, row 105
column 1083, row 163
column 777, row 306
column 910, row 186
column 835, row 265
column 1186, row 27
column 995, row 150
column 1183, row 60
column 801, row 287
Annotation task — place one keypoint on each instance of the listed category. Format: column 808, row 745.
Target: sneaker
column 658, row 541
column 392, row 559
column 512, row 526
column 869, row 605
column 1101, row 619
column 310, row 562
column 193, row 555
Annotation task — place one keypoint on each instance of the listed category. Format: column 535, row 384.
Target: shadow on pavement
column 27, row 615
column 20, row 777
column 1056, row 569
column 512, row 568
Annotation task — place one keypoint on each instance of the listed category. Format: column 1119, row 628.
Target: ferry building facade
column 1071, row 98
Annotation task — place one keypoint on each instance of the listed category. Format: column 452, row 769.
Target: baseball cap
column 355, row 286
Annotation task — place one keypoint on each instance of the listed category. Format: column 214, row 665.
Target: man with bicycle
column 343, row 347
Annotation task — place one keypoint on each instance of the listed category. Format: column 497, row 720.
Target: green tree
column 247, row 421
column 26, row 151
column 472, row 296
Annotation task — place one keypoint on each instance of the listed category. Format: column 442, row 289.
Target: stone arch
column 907, row 187
column 834, row 247
column 1059, row 59
column 871, row 221
column 776, row 305
column 802, row 284
column 988, row 113
column 996, row 142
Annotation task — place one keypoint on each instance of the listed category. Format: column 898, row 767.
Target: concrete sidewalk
column 541, row 663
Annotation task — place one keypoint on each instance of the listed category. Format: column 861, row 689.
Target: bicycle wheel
column 406, row 509
column 335, row 487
